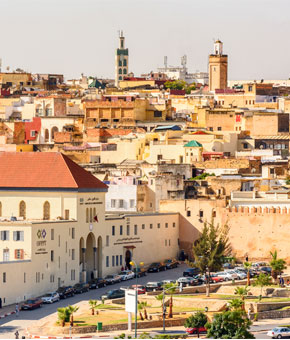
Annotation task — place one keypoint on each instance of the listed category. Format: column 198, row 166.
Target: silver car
column 279, row 332
column 50, row 298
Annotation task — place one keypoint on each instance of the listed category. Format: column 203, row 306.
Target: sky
column 71, row 37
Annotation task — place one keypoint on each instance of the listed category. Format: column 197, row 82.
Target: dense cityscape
column 151, row 205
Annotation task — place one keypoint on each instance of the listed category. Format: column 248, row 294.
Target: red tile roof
column 50, row 170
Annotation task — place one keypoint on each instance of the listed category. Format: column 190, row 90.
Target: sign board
column 130, row 300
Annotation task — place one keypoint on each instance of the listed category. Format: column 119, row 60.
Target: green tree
column 210, row 249
column 230, row 325
column 63, row 315
column 197, row 320
column 171, row 288
column 242, row 292
column 142, row 306
column 277, row 265
column 93, row 305
column 72, row 310
column 236, row 304
column 247, row 266
column 262, row 281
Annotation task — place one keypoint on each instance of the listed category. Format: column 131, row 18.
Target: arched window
column 125, row 62
column 124, row 71
column 94, row 214
column 0, row 208
column 22, row 210
column 120, row 62
column 120, row 78
column 46, row 211
column 120, row 71
column 87, row 215
column 53, row 131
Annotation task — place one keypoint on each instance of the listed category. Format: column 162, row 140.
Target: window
column 151, row 225
column 37, row 277
column 66, row 267
column 132, row 204
column 107, row 241
column 22, row 210
column 0, row 208
column 4, row 235
column 219, row 128
column 107, row 261
column 165, row 243
column 46, row 211
column 166, row 225
column 51, row 255
column 72, row 254
column 87, row 215
column 6, row 255
column 128, row 230
column 157, row 113
column 66, row 214
column 72, row 233
column 201, row 213
column 121, row 203
column 117, row 260
column 250, row 88
column 211, row 129
column 59, row 262
column 19, row 254
column 24, row 277
column 32, row 133
column 120, row 71
column 143, row 226
column 169, row 242
column 120, row 62
column 213, row 213
column 18, row 235
column 113, row 261
column 158, row 225
column 125, row 62
column 173, row 225
column 4, row 277
column 73, row 274
column 113, row 230
column 121, row 230
column 52, row 234
column 124, row 71
column 245, row 145
column 120, row 78
column 121, row 260
column 188, row 213
column 59, row 240
column 113, row 203
column 135, row 229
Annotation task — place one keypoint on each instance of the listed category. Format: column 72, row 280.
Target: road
column 10, row 324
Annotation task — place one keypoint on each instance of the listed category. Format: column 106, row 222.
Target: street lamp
column 133, row 263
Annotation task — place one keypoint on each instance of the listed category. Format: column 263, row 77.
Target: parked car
column 234, row 275
column 225, row 275
column 65, row 292
column 114, row 278
column 97, row 283
column 114, row 294
column 205, row 279
column 279, row 332
column 259, row 264
column 171, row 263
column 241, row 274
column 141, row 289
column 80, row 288
column 195, row 330
column 153, row 286
column 31, row 304
column 156, row 267
column 187, row 281
column 199, row 279
column 265, row 270
column 126, row 275
column 191, row 272
column 228, row 266
column 216, row 278
column 140, row 272
column 165, row 282
column 50, row 297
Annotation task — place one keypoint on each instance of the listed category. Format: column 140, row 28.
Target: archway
column 128, row 258
column 90, row 256
column 99, row 254
column 53, row 131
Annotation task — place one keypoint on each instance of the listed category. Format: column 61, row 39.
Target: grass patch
column 104, row 306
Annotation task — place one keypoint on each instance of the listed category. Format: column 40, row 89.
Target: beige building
column 53, row 228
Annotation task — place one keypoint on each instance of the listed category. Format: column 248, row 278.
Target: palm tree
column 93, row 305
column 277, row 265
column 242, row 292
column 63, row 316
column 171, row 287
column 72, row 310
column 247, row 266
column 236, row 304
column 141, row 306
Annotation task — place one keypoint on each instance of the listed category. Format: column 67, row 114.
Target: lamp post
column 133, row 263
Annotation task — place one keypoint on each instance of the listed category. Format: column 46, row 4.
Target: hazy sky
column 80, row 36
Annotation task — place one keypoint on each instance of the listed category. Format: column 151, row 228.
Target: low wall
column 274, row 314
column 191, row 290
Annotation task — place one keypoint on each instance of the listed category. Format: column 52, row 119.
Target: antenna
column 165, row 61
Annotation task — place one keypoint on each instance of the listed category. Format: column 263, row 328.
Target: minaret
column 218, row 68
column 121, row 60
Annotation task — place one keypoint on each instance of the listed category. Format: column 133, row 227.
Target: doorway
column 128, row 258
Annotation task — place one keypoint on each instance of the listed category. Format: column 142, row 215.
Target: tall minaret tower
column 218, row 68
column 121, row 60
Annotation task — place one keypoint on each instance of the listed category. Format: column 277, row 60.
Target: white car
column 50, row 298
column 279, row 332
column 233, row 274
column 241, row 275
column 227, row 276
column 126, row 275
